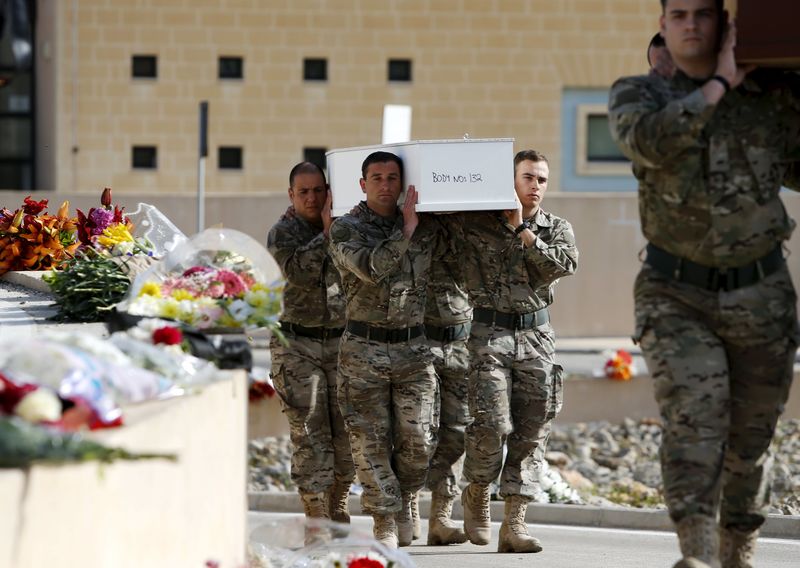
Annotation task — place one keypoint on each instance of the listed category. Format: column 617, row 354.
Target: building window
column 596, row 152
column 315, row 69
column 590, row 160
column 231, row 68
column 400, row 70
column 17, row 96
column 229, row 157
column 316, row 156
column 144, row 66
column 144, row 157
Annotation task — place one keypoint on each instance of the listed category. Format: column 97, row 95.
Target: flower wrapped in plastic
column 319, row 543
column 220, row 279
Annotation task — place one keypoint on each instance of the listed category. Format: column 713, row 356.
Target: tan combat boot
column 315, row 506
column 415, row 516
column 405, row 522
column 441, row 530
column 514, row 535
column 384, row 530
column 699, row 539
column 477, row 519
column 338, row 495
column 737, row 549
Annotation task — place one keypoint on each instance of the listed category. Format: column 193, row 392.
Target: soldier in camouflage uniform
column 448, row 317
column 513, row 260
column 387, row 383
column 715, row 306
column 304, row 367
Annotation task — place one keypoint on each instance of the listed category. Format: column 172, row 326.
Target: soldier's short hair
column 381, row 157
column 529, row 155
column 719, row 3
column 305, row 168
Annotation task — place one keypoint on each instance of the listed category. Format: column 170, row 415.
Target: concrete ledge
column 149, row 514
column 29, row 278
column 777, row 526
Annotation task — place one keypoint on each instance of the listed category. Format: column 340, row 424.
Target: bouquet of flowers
column 31, row 239
column 284, row 543
column 110, row 255
column 619, row 366
column 216, row 280
column 107, row 231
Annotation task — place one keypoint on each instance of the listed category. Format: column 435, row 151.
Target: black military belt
column 312, row 332
column 710, row 278
column 383, row 335
column 447, row 334
column 511, row 321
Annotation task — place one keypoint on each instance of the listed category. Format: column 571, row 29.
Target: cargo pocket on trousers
column 556, row 393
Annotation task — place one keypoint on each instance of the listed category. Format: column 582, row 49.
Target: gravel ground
column 594, row 463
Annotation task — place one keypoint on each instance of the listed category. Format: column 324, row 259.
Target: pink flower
column 234, row 285
column 196, row 269
column 215, row 290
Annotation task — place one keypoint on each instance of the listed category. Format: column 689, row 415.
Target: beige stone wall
column 490, row 68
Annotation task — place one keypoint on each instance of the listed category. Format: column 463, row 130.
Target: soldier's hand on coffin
column 326, row 216
column 410, row 218
column 514, row 216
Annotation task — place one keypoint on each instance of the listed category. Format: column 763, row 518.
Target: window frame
column 231, row 58
column 307, row 61
column 583, row 165
column 221, row 149
column 152, row 56
column 144, row 147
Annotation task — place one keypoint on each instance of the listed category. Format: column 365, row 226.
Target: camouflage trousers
column 304, row 374
column 722, row 367
column 515, row 391
column 388, row 395
column 451, row 361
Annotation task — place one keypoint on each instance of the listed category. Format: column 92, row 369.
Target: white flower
column 240, row 310
column 257, row 298
column 39, row 405
column 123, row 248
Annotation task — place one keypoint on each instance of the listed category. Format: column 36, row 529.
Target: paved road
column 564, row 547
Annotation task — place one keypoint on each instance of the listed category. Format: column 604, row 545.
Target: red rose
column 168, row 336
column 364, row 562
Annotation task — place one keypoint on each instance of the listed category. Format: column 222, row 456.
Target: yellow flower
column 114, row 235
column 150, row 289
column 181, row 294
column 170, row 309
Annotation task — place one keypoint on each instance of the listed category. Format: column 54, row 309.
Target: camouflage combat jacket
column 313, row 294
column 709, row 175
column 501, row 274
column 447, row 303
column 384, row 275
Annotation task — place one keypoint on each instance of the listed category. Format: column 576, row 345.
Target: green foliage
column 23, row 444
column 87, row 287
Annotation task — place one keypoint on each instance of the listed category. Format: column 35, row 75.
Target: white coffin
column 449, row 175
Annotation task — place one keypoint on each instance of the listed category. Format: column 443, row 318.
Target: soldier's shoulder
column 555, row 220
column 639, row 82
column 344, row 226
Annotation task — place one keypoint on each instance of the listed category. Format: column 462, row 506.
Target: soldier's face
column 530, row 182
column 690, row 28
column 307, row 194
column 382, row 186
